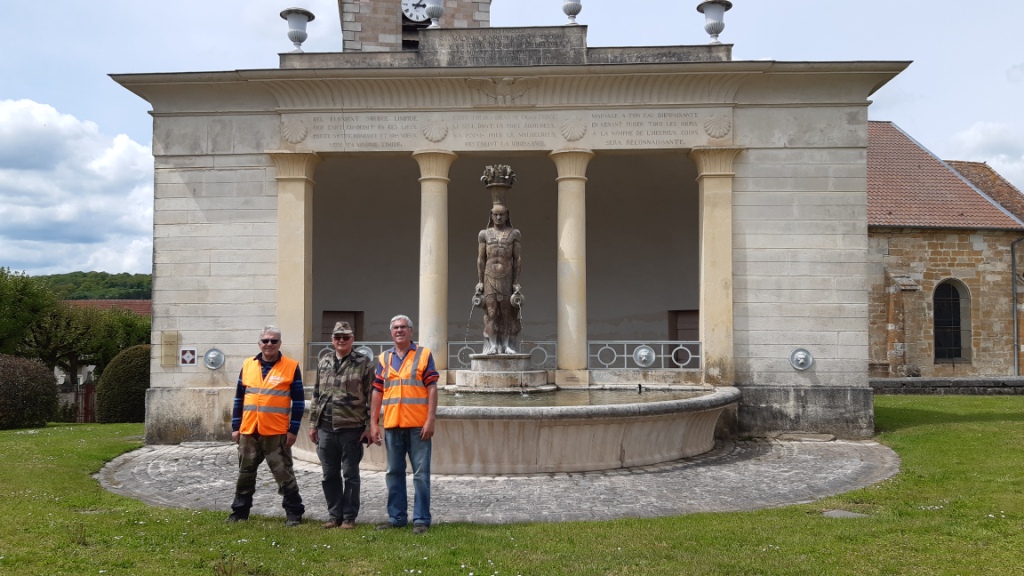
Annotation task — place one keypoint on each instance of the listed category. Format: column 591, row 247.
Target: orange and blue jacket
column 269, row 398
column 404, row 381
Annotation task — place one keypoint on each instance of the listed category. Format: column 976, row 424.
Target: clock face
column 415, row 10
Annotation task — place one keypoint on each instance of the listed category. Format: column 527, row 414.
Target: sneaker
column 387, row 526
column 293, row 521
column 235, row 518
column 420, row 528
column 348, row 524
column 332, row 523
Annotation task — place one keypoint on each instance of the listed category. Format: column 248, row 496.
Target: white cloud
column 71, row 198
column 1000, row 145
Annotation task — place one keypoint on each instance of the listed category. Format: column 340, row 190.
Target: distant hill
column 100, row 285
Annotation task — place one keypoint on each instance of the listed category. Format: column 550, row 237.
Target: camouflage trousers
column 253, row 449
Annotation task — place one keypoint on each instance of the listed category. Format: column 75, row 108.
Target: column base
column 572, row 378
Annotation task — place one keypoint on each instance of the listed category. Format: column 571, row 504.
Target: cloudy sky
column 75, row 164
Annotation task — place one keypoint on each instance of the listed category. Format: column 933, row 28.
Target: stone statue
column 498, row 266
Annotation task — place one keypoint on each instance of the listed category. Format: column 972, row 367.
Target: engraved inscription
column 645, row 129
column 508, row 130
column 489, row 130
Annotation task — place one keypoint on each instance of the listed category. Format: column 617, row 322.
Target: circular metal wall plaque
column 213, row 359
column 801, row 359
column 644, row 356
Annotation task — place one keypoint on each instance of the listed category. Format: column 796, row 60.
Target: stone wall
column 907, row 265
column 377, row 26
column 800, row 271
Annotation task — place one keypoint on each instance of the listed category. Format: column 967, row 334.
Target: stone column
column 295, row 250
column 714, row 176
column 432, row 324
column 572, row 266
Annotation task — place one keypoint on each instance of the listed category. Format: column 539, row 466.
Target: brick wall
column 376, row 25
column 908, row 265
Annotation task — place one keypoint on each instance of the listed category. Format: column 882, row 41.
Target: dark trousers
column 253, row 449
column 340, row 452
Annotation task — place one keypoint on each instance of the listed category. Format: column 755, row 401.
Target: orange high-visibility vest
column 267, row 408
column 405, row 394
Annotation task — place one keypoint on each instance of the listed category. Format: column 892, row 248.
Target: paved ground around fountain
column 743, row 475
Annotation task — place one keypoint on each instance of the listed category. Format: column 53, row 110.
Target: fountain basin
column 491, row 440
column 501, row 373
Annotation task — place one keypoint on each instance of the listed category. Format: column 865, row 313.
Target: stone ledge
column 978, row 386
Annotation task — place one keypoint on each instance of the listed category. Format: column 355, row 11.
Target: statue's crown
column 498, row 175
column 498, row 179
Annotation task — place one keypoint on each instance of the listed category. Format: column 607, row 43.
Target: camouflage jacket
column 342, row 391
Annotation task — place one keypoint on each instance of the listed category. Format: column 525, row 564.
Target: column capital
column 434, row 164
column 713, row 160
column 571, row 162
column 292, row 165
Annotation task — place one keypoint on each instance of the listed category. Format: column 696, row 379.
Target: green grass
column 957, row 507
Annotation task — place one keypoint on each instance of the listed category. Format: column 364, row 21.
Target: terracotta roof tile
column 910, row 186
column 990, row 182
column 140, row 307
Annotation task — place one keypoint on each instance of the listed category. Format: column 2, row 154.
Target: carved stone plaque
column 508, row 130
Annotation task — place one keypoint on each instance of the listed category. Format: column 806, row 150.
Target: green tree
column 69, row 337
column 22, row 301
column 119, row 329
column 65, row 337
column 100, row 285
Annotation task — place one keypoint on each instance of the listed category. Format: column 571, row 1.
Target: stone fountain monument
column 500, row 368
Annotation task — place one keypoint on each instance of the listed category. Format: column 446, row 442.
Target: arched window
column 952, row 321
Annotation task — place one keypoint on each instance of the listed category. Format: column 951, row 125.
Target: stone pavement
column 741, row 475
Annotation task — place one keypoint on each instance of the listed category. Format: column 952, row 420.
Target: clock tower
column 393, row 25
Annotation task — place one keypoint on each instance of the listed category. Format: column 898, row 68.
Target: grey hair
column 271, row 329
column 401, row 317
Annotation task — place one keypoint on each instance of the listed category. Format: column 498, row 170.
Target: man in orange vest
column 405, row 384
column 269, row 401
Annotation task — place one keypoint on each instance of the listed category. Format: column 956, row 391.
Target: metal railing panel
column 643, row 355
column 314, row 350
column 543, row 354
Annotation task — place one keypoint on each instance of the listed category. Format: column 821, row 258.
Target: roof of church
column 910, row 186
column 986, row 179
column 140, row 307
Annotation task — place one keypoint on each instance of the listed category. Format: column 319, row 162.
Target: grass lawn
column 957, row 507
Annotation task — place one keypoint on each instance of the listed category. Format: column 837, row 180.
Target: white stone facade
column 650, row 181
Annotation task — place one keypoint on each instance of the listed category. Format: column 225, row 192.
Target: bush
column 28, row 393
column 68, row 412
column 121, row 392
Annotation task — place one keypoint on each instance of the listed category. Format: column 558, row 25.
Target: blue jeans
column 401, row 442
column 340, row 453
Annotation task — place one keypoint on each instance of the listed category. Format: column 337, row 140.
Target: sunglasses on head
column 270, row 340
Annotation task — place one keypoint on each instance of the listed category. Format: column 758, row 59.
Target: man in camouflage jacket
column 337, row 424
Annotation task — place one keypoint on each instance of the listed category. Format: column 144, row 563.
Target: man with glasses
column 265, row 420
column 337, row 424
column 405, row 384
